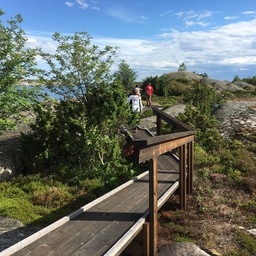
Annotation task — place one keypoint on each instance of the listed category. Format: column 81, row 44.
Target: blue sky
column 217, row 37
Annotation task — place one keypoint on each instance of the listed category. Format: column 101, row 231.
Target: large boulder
column 236, row 118
column 181, row 249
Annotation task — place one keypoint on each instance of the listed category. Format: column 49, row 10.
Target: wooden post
column 146, row 239
column 182, row 180
column 190, row 167
column 153, row 196
column 158, row 124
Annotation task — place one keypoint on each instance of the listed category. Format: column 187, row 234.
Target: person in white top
column 135, row 101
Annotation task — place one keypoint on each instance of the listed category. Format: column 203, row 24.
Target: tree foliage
column 203, row 97
column 163, row 85
column 151, row 79
column 236, row 79
column 16, row 62
column 198, row 114
column 79, row 135
column 167, row 86
column 250, row 80
column 126, row 74
column 182, row 67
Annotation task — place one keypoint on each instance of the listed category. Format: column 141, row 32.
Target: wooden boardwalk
column 96, row 229
column 110, row 223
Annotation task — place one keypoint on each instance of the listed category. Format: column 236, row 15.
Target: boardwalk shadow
column 108, row 216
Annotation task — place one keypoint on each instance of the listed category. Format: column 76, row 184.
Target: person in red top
column 149, row 91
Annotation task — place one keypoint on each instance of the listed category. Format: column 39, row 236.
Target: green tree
column 182, row 67
column 79, row 136
column 198, row 114
column 203, row 97
column 236, row 79
column 167, row 86
column 164, row 84
column 126, row 74
column 250, row 80
column 16, row 63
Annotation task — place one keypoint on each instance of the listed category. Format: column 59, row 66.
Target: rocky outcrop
column 10, row 156
column 244, row 85
column 12, row 231
column 181, row 249
column 237, row 118
column 219, row 85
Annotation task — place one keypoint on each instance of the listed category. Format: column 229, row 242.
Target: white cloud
column 192, row 18
column 95, row 8
column 194, row 15
column 69, row 4
column 231, row 17
column 196, row 23
column 166, row 13
column 249, row 12
column 82, row 4
column 204, row 14
column 222, row 52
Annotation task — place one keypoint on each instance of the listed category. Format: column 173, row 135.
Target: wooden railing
column 182, row 140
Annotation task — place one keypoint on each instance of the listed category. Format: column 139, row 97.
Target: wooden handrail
column 177, row 125
column 162, row 138
column 150, row 148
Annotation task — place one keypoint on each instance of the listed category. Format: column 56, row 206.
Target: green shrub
column 70, row 147
column 148, row 113
column 203, row 158
column 247, row 243
column 40, row 200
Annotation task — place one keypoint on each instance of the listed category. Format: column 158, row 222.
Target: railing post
column 146, row 238
column 158, row 124
column 182, row 179
column 153, row 196
column 190, row 167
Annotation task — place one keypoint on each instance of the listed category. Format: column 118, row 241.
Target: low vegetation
column 222, row 206
column 40, row 200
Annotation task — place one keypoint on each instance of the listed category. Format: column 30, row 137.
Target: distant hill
column 184, row 75
column 216, row 84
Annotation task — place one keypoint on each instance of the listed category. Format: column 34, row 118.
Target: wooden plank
column 119, row 245
column 146, row 239
column 156, row 150
column 163, row 196
column 90, row 219
column 161, row 138
column 167, row 162
column 115, row 214
column 122, row 243
column 53, row 226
